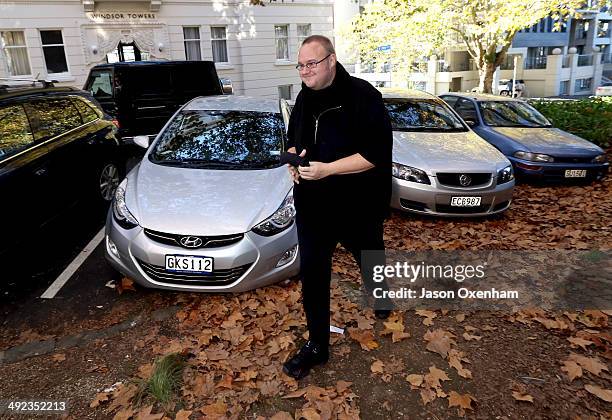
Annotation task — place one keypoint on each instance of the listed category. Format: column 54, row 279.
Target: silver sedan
column 441, row 167
column 210, row 207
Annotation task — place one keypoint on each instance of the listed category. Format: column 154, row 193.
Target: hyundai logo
column 191, row 241
column 465, row 180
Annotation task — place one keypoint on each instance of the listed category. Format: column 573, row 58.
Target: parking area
column 92, row 335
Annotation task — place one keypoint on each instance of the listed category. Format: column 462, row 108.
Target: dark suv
column 57, row 146
column 141, row 96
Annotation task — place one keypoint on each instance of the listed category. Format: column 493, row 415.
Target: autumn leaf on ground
column 395, row 327
column 522, row 397
column 572, row 369
column 428, row 395
column 364, row 338
column 604, row 394
column 470, row 337
column 463, row 402
column 100, row 397
column 184, row 415
column 215, row 410
column 455, row 358
column 377, row 367
column 415, row 380
column 428, row 315
column 577, row 341
column 590, row 364
column 435, row 375
column 439, row 341
column 282, row 415
column 460, row 317
column 58, row 357
column 145, row 414
column 126, row 283
column 342, row 386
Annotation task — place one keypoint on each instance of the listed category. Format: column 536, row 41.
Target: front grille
column 573, row 159
column 447, row 208
column 452, row 179
column 216, row 278
column 207, row 241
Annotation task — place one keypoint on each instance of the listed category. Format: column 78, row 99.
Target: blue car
column 536, row 149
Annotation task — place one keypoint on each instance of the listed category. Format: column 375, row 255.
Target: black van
column 141, row 96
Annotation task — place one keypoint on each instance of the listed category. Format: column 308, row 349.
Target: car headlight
column 505, row 175
column 280, row 220
column 600, row 159
column 121, row 213
column 409, row 173
column 533, row 157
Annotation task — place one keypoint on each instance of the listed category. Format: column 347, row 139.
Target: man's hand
column 316, row 170
column 293, row 171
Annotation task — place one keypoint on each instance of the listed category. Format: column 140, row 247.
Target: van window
column 100, row 84
column 87, row 112
column 15, row 134
column 195, row 81
column 52, row 117
column 151, row 80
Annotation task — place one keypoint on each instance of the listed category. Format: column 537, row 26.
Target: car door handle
column 152, row 107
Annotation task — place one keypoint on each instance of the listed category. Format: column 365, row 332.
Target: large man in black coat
column 340, row 125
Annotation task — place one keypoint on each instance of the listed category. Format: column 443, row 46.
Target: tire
column 108, row 176
column 504, row 93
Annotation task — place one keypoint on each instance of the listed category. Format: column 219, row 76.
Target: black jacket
column 348, row 117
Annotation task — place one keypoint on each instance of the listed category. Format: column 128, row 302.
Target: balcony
column 585, row 60
column 533, row 63
column 606, row 58
column 567, row 62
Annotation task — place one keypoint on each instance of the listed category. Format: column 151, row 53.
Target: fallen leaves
column 126, row 283
column 590, row 364
column 364, row 338
column 439, row 341
column 395, row 326
column 604, row 394
column 522, row 397
column 572, row 369
column 462, row 402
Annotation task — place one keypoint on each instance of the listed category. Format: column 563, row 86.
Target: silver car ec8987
column 210, row 207
column 440, row 166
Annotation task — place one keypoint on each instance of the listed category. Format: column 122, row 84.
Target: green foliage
column 165, row 380
column 589, row 118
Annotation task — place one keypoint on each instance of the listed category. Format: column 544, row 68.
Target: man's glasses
column 311, row 65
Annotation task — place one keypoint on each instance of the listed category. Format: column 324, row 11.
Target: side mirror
column 226, row 86
column 142, row 141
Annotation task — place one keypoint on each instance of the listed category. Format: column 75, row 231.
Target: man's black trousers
column 317, row 240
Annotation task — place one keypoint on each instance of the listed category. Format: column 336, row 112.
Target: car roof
column 17, row 91
column 232, row 103
column 389, row 93
column 481, row 97
column 147, row 63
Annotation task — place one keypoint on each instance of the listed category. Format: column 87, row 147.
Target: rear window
column 421, row 115
column 52, row 117
column 88, row 114
column 511, row 114
column 150, row 80
column 15, row 133
column 221, row 140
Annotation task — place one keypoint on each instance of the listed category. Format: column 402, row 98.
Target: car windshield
column 221, row 140
column 511, row 114
column 421, row 115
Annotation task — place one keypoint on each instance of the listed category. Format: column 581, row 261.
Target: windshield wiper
column 197, row 163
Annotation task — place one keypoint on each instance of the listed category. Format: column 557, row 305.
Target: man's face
column 323, row 74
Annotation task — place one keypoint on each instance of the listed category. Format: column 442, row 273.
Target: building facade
column 253, row 46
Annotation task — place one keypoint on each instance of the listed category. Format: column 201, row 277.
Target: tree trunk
column 486, row 73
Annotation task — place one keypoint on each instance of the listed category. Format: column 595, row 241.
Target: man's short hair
column 324, row 41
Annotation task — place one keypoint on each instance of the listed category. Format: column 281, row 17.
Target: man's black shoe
column 382, row 313
column 309, row 356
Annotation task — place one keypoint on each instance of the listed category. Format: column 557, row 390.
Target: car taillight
column 116, row 122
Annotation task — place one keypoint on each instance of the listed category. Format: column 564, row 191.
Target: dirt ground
column 429, row 364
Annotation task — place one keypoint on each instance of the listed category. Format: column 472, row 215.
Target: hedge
column 589, row 118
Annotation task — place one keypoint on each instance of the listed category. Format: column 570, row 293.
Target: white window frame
column 301, row 38
column 5, row 47
column 219, row 39
column 193, row 40
column 276, row 39
column 63, row 45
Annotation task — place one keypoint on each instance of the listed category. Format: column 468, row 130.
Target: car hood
column 204, row 201
column 446, row 152
column 550, row 141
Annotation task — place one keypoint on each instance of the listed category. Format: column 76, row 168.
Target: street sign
column 384, row 48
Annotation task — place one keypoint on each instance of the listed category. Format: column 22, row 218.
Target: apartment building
column 570, row 61
column 253, row 46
